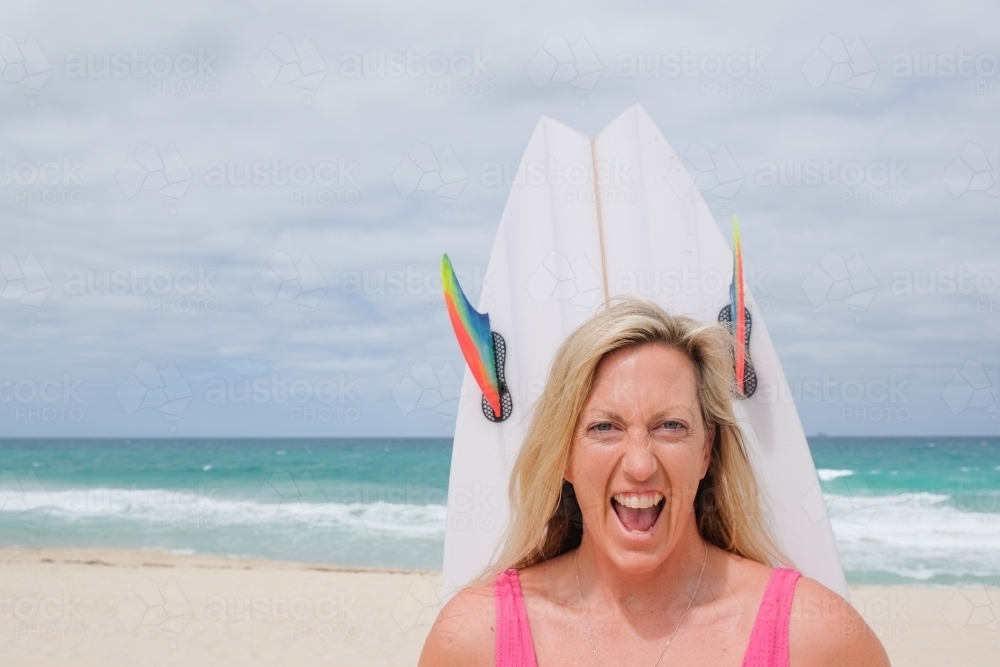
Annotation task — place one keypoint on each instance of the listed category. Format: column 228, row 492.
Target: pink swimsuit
column 768, row 642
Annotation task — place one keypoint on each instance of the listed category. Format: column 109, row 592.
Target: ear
column 706, row 458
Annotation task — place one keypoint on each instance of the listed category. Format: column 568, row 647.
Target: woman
column 637, row 536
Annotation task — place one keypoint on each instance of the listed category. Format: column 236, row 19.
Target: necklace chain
column 590, row 631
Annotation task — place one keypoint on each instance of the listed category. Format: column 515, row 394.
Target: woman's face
column 639, row 450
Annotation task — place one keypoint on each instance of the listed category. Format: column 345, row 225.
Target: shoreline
column 155, row 557
column 126, row 606
column 166, row 558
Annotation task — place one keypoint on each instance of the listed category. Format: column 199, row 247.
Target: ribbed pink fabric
column 514, row 647
column 768, row 645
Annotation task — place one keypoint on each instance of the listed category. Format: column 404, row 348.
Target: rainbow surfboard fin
column 746, row 377
column 484, row 350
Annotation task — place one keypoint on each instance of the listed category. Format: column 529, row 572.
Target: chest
column 715, row 634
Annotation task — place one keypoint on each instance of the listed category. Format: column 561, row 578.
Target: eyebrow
column 614, row 416
column 600, row 414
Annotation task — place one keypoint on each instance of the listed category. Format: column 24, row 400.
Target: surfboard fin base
column 484, row 350
column 506, row 402
column 746, row 382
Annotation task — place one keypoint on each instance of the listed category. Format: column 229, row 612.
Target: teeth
column 638, row 501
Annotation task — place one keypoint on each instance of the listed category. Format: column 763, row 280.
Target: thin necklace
column 590, row 631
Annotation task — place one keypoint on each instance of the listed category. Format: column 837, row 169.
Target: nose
column 639, row 462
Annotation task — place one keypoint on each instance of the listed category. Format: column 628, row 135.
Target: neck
column 670, row 584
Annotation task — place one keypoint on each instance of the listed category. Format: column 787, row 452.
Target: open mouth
column 638, row 512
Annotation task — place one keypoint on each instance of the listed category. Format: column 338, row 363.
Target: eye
column 602, row 429
column 673, row 426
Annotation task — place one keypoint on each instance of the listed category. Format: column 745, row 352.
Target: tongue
column 635, row 519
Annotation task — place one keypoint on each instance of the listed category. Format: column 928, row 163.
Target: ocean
column 920, row 511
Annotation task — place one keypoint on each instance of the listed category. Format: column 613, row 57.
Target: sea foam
column 914, row 535
column 827, row 475
column 163, row 507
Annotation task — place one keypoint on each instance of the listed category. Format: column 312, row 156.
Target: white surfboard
column 565, row 244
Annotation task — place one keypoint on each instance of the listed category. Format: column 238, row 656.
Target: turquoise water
column 352, row 502
column 904, row 510
column 914, row 510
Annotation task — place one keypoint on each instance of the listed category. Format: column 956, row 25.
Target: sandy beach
column 122, row 607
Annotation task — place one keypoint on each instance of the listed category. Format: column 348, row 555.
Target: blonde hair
column 545, row 518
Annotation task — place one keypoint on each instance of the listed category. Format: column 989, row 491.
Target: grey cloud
column 226, row 112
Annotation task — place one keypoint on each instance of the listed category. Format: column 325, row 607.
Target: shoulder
column 548, row 579
column 463, row 633
column 824, row 629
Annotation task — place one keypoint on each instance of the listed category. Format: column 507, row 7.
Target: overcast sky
column 198, row 198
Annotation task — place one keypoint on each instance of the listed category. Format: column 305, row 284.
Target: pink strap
column 514, row 647
column 768, row 645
